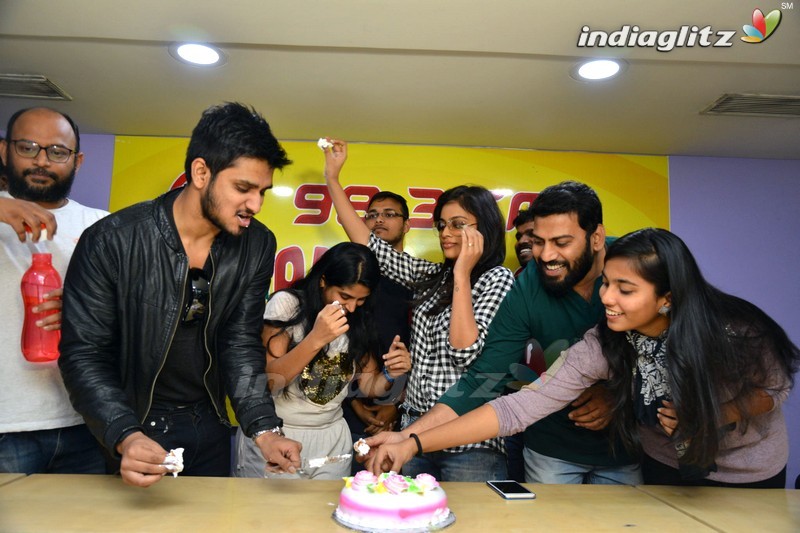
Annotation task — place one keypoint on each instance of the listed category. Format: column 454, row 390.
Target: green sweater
column 527, row 312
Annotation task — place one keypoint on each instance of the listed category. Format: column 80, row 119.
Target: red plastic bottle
column 39, row 345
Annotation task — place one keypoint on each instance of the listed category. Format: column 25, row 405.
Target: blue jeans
column 70, row 450
column 470, row 465
column 543, row 469
column 205, row 439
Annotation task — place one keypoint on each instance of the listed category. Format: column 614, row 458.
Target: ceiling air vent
column 755, row 105
column 30, row 86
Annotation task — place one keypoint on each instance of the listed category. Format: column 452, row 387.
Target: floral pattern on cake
column 362, row 480
column 396, row 484
column 390, row 482
column 426, row 482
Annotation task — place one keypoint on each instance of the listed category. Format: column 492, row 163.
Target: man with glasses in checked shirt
column 40, row 432
column 163, row 307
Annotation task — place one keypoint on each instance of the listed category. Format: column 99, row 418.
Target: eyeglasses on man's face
column 196, row 308
column 30, row 150
column 386, row 214
column 454, row 224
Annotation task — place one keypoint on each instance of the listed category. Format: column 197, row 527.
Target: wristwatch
column 277, row 430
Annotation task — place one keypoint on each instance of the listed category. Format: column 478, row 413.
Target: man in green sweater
column 549, row 308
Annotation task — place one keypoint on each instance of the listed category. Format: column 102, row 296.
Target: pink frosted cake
column 392, row 502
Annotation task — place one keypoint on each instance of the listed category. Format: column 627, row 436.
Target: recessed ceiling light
column 197, row 54
column 597, row 69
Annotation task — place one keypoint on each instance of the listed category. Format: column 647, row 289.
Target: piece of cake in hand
column 392, row 502
column 324, row 143
column 361, row 447
column 173, row 462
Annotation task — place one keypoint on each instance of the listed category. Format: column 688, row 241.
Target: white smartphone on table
column 511, row 490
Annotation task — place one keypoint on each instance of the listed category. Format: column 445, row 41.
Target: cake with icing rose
column 392, row 502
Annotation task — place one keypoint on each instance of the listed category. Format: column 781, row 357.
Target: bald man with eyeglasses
column 40, row 432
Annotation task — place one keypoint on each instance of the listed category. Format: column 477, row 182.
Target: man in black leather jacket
column 163, row 306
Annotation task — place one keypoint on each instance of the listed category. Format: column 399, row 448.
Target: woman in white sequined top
column 320, row 336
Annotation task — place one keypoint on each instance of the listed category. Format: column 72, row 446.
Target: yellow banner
column 634, row 189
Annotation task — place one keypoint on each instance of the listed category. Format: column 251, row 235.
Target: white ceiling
column 444, row 72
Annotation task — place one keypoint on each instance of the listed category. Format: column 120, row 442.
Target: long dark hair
column 719, row 346
column 480, row 203
column 345, row 264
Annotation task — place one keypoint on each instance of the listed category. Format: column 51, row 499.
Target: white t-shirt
column 32, row 395
column 292, row 405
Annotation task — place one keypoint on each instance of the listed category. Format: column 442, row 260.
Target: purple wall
column 92, row 185
column 740, row 219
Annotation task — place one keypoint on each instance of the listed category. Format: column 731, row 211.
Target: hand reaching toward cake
column 391, row 457
column 385, row 437
column 281, row 454
column 372, row 443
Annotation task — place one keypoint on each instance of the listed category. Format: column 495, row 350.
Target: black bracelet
column 419, row 444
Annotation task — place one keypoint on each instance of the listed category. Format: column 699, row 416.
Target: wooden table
column 772, row 510
column 560, row 508
column 103, row 503
column 8, row 478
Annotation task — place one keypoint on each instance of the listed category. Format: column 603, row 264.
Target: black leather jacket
column 123, row 299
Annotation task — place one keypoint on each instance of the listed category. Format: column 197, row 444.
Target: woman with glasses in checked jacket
column 320, row 336
column 455, row 301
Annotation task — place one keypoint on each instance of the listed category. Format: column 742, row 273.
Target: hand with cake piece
column 142, row 461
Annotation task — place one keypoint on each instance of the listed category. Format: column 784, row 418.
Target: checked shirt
column 436, row 364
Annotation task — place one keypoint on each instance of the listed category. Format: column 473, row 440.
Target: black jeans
column 197, row 429
column 657, row 473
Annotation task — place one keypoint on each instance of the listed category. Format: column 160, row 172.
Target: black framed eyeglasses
column 30, row 150
column 387, row 214
column 195, row 310
column 455, row 224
